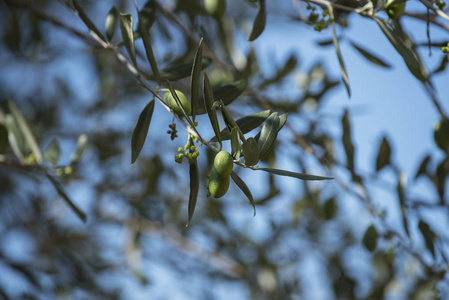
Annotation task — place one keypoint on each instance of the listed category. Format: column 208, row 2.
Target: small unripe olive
column 223, row 163
column 215, row 8
column 170, row 101
column 218, row 185
column 395, row 10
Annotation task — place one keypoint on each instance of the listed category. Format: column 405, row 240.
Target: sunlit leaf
column 208, row 103
column 400, row 189
column 405, row 48
column 294, row 174
column 250, row 152
column 268, row 134
column 126, row 27
column 244, row 188
column 66, row 198
column 141, row 130
column 80, row 147
column 383, row 155
column 246, row 124
column 180, row 70
column 370, row 238
column 110, row 23
column 235, row 143
column 143, row 27
column 259, row 22
column 195, row 77
column 53, row 152
column 429, row 236
column 15, row 137
column 370, row 56
column 26, row 132
column 3, row 139
column 194, row 188
column 86, row 20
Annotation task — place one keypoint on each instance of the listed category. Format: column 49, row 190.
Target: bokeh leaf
column 15, row 137
column 80, row 147
column 259, row 22
column 3, row 139
column 250, row 152
column 53, row 152
column 347, row 142
column 110, row 23
column 126, row 27
column 141, row 130
column 268, row 134
column 244, row 188
column 383, row 155
column 301, row 176
column 370, row 56
column 208, row 103
column 370, row 238
column 422, row 170
column 429, row 236
column 195, row 78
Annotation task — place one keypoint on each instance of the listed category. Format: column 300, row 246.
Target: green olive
column 215, row 8
column 395, row 8
column 218, row 185
column 170, row 101
column 223, row 164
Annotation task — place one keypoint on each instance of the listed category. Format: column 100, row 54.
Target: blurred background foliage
column 302, row 244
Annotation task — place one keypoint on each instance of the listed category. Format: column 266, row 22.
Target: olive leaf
column 282, row 121
column 15, row 137
column 111, row 21
column 86, row 20
column 80, row 147
column 268, row 134
column 244, row 188
column 228, row 119
column 236, row 147
column 180, row 70
column 429, row 236
column 25, row 130
column 370, row 238
column 208, row 103
column 3, row 139
column 66, row 198
column 289, row 66
column 344, row 73
column 143, row 28
column 194, row 188
column 53, row 152
column 301, row 176
column 347, row 142
column 422, row 170
column 195, row 78
column 370, row 56
column 383, row 155
column 141, row 130
column 126, row 27
column 246, row 124
column 259, row 22
column 250, row 152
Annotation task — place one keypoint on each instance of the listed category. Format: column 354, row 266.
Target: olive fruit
column 170, row 101
column 395, row 8
column 215, row 8
column 223, row 164
column 218, row 185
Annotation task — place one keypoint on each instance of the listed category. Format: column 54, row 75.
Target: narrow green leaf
column 66, row 198
column 141, row 130
column 148, row 13
column 236, row 147
column 229, row 120
column 344, row 73
column 86, row 20
column 126, row 27
column 110, row 23
column 289, row 66
column 282, row 121
column 383, row 155
column 293, row 174
column 53, row 152
column 143, row 28
column 250, row 152
column 246, row 124
column 15, row 137
column 347, row 142
column 400, row 189
column 227, row 93
column 244, row 188
column 422, row 170
column 443, row 64
column 195, row 77
column 259, row 22
column 80, row 147
column 324, row 43
column 429, row 236
column 208, row 102
column 405, row 48
column 268, row 134
column 3, row 139
column 194, row 188
column 26, row 132
column 370, row 56
column 180, row 70
column 370, row 238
